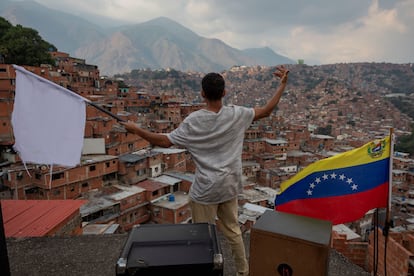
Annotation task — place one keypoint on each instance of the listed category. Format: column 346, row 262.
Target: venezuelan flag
column 341, row 188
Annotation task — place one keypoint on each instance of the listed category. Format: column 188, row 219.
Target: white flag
column 48, row 121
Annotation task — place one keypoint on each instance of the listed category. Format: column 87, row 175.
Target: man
column 214, row 137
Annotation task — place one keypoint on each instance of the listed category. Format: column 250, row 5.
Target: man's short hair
column 213, row 86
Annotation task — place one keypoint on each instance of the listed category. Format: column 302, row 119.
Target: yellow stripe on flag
column 371, row 152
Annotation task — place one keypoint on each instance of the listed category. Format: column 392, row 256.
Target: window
column 84, row 185
column 141, row 172
column 33, row 190
column 154, row 193
column 19, row 176
column 108, row 177
column 107, row 164
column 92, row 168
column 56, row 176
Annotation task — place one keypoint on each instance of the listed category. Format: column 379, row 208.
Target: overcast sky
column 318, row 31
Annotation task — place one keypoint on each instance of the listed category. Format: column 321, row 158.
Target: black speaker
column 289, row 245
column 171, row 249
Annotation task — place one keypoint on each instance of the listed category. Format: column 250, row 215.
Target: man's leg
column 203, row 212
column 229, row 225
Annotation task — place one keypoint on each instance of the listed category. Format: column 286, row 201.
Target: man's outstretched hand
column 282, row 73
column 129, row 126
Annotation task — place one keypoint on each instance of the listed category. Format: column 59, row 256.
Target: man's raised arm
column 266, row 110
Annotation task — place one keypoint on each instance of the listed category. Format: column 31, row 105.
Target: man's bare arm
column 156, row 139
column 266, row 110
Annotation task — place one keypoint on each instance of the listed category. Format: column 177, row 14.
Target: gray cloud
column 323, row 30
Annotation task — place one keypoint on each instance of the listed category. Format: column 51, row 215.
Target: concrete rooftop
column 97, row 255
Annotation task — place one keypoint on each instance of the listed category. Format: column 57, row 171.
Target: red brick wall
column 397, row 256
column 132, row 201
column 355, row 251
column 185, row 186
column 133, row 217
column 175, row 162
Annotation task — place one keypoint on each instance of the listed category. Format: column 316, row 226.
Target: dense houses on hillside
column 125, row 181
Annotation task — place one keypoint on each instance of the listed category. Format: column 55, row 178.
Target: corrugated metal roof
column 151, row 185
column 96, row 204
column 131, row 158
column 166, row 179
column 125, row 192
column 180, row 175
column 36, row 218
column 99, row 229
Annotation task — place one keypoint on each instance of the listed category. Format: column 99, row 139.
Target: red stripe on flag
column 339, row 209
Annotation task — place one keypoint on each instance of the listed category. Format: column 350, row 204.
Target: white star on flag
column 325, row 177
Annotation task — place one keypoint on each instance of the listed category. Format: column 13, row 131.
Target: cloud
column 319, row 30
column 373, row 37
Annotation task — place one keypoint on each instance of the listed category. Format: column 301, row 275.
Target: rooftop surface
column 97, row 255
column 36, row 218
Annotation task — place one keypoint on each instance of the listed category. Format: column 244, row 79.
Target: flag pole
column 388, row 221
column 389, row 203
column 105, row 111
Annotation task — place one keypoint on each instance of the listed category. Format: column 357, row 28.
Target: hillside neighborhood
column 123, row 181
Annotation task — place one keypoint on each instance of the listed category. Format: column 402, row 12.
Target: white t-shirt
column 215, row 141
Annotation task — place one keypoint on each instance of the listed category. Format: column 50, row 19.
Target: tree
column 23, row 46
column 4, row 27
column 405, row 143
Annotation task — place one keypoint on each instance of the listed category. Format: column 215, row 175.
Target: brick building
column 172, row 209
column 57, row 182
column 133, row 206
column 7, row 86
